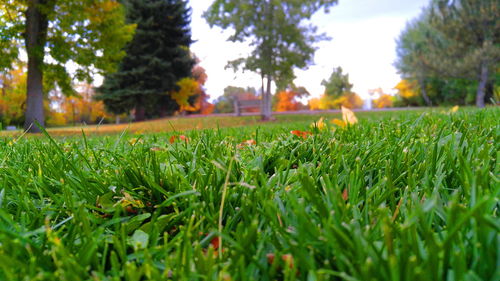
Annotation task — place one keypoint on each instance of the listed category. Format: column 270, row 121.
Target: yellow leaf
column 135, row 141
column 320, row 124
column 348, row 116
column 338, row 122
column 454, row 109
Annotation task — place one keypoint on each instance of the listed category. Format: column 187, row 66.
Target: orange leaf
column 300, row 134
column 345, row 194
column 215, row 242
column 181, row 137
column 246, row 143
column 287, row 258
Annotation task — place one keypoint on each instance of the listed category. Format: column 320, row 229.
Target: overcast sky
column 363, row 36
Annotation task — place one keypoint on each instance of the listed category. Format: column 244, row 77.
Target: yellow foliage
column 383, row 101
column 12, row 95
column 187, row 87
column 314, row 104
column 320, row 124
column 338, row 122
column 349, row 100
column 407, row 89
column 56, row 119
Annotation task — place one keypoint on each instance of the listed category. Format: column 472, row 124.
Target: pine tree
column 156, row 59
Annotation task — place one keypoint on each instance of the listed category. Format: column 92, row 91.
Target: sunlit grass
column 398, row 196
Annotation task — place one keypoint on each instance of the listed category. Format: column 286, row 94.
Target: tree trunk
column 266, row 102
column 481, row 88
column 36, row 36
column 423, row 89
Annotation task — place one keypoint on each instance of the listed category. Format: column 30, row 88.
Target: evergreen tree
column 156, row 59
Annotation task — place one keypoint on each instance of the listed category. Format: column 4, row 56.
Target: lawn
column 403, row 195
column 192, row 123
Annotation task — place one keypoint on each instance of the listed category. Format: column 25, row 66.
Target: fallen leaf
column 135, row 141
column 246, row 143
column 300, row 134
column 348, row 116
column 454, row 109
column 287, row 258
column 338, row 122
column 320, row 124
column 345, row 194
column 181, row 137
column 127, row 202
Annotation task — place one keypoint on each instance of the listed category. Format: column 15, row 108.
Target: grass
column 401, row 196
column 192, row 123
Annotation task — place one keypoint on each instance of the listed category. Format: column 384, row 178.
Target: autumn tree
column 87, row 34
column 338, row 92
column 288, row 100
column 408, row 92
column 12, row 95
column 279, row 32
column 201, row 101
column 383, row 100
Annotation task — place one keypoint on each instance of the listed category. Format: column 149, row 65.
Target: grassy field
column 193, row 123
column 398, row 196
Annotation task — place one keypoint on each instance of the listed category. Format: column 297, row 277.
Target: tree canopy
column 157, row 58
column 338, row 84
column 451, row 40
column 84, row 35
column 279, row 32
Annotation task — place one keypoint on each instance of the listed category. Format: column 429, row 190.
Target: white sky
column 363, row 44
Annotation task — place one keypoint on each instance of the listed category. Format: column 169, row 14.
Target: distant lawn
column 208, row 122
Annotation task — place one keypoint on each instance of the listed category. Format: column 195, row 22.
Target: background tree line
column 141, row 48
column 450, row 54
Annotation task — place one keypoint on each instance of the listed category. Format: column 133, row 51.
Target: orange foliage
column 314, row 104
column 77, row 109
column 287, row 101
column 383, row 101
column 201, row 103
column 174, row 138
column 193, row 87
column 300, row 134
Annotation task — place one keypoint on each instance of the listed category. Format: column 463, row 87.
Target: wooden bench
column 245, row 104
